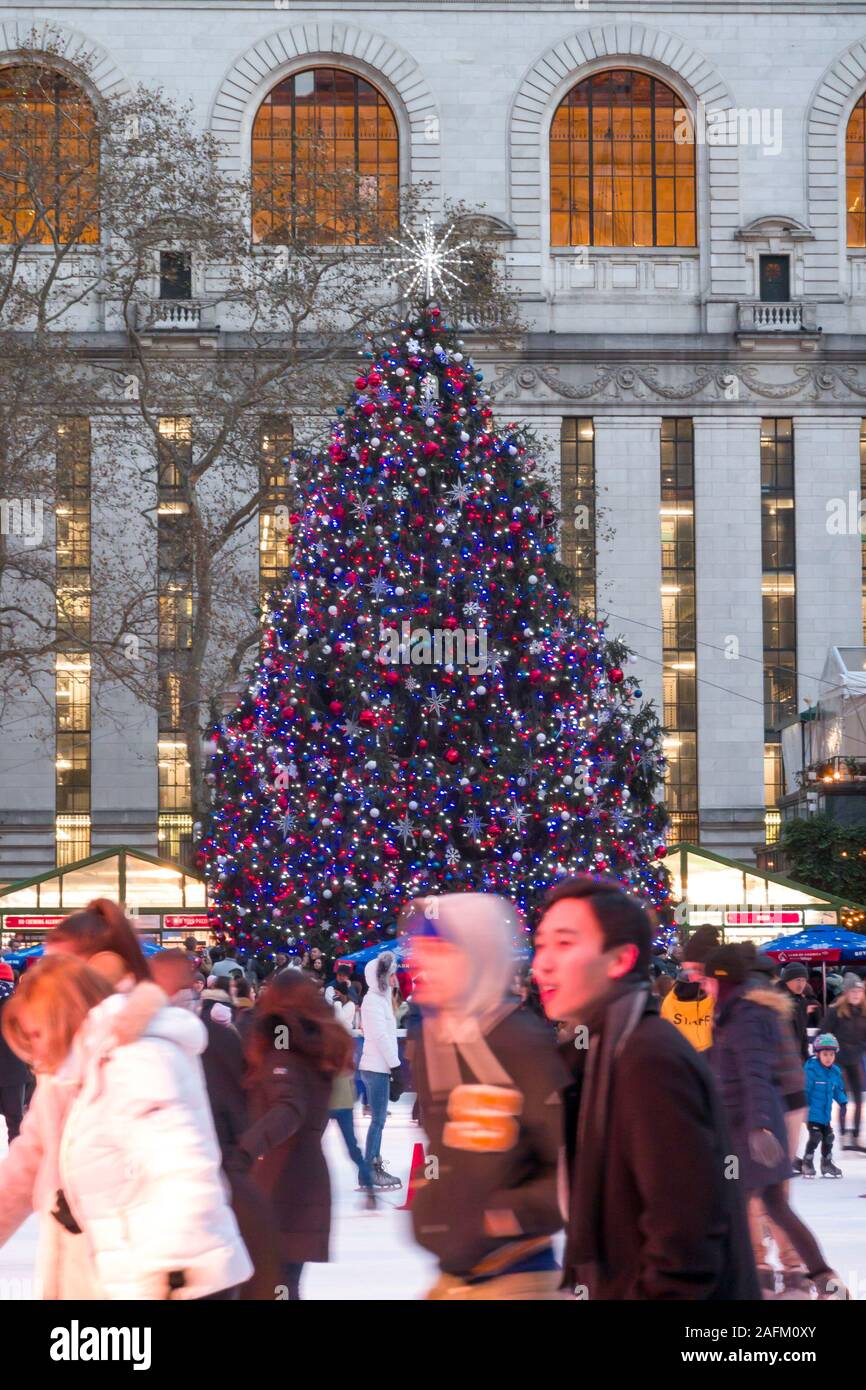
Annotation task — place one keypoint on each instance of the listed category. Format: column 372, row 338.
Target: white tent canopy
column 839, row 729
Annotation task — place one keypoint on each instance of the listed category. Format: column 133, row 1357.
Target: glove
column 395, row 1089
column 765, row 1148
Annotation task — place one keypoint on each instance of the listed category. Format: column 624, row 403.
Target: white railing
column 170, row 316
column 774, row 318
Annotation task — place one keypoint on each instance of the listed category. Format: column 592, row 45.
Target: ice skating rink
column 373, row 1255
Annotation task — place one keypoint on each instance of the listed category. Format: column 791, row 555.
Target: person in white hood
column 379, row 1057
column 117, row 1153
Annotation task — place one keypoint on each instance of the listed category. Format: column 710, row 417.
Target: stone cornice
column 719, row 383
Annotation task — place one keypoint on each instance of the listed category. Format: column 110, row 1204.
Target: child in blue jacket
column 824, row 1084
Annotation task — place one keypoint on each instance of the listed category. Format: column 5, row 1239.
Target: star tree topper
column 423, row 261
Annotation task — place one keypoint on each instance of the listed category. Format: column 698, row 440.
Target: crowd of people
column 612, row 1124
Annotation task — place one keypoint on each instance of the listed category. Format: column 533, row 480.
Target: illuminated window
column 855, row 174
column 49, row 159
column 175, row 837
column 778, row 595
column 175, row 619
column 72, row 839
column 679, row 627
column 174, row 783
column 72, row 687
column 275, row 540
column 174, row 455
column 577, row 454
column 621, row 171
column 325, row 161
column 862, row 535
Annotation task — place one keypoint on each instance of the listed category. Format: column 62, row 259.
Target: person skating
column 488, row 1081
column 14, row 1074
column 793, row 986
column 295, row 1049
column 379, row 1057
column 846, row 1020
column 824, row 1084
column 744, row 1057
column 117, row 1152
column 343, row 1094
column 651, row 1212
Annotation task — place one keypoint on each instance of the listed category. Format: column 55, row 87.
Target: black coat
column 223, row 1065
column 290, row 1104
column 799, row 1018
column 850, row 1033
column 13, row 1072
column 670, row 1224
column 448, row 1211
column 744, row 1058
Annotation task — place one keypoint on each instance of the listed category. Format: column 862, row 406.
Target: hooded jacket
column 497, row 1150
column 690, row 1010
column 124, row 1130
column 823, row 1086
column 378, row 1022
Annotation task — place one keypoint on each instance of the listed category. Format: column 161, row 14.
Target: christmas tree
column 429, row 712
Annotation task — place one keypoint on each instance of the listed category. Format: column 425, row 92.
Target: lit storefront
column 165, row 901
column 747, row 904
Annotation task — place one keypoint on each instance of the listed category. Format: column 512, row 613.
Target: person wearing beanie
column 824, row 1084
column 14, row 1073
column 744, row 1057
column 846, row 1020
column 488, row 1079
column 793, row 983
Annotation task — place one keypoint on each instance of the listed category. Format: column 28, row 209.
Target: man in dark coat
column 14, row 1074
column 793, row 983
column 652, row 1214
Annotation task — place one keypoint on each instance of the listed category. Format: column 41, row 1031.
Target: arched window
column 855, row 174
column 325, row 161
column 622, row 164
column 49, row 158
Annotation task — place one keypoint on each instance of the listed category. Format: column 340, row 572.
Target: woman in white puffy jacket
column 117, row 1153
column 378, row 1058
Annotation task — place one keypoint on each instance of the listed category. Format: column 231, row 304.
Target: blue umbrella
column 823, row 945
column 19, row 959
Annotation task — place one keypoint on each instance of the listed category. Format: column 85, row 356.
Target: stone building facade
column 702, row 394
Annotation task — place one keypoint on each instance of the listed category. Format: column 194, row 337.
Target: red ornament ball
column 615, row 675
column 452, row 755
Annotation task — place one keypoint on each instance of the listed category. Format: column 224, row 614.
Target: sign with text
column 763, row 918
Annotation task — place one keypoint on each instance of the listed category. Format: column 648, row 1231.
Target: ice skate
column 382, row 1178
column 796, row 1168
column 808, row 1169
column 829, row 1169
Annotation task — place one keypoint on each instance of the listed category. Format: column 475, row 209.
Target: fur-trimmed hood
column 771, row 999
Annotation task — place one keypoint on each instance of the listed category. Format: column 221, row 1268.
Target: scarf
column 610, row 1021
column 448, row 1037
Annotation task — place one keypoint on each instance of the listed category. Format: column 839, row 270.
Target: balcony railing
column 775, row 318
column 175, row 316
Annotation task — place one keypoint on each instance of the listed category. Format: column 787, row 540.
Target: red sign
column 188, row 921
column 763, row 919
column 28, row 923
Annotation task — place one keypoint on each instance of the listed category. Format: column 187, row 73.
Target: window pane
column 327, row 168
column 620, row 125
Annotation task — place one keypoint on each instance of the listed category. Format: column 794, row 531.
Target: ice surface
column 373, row 1255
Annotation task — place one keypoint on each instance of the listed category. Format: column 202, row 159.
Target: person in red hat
column 14, row 1074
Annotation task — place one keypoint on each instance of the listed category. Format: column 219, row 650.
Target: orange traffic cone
column 416, row 1175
